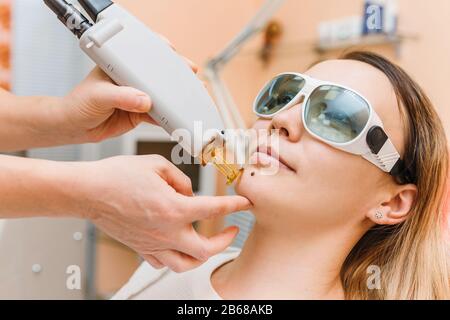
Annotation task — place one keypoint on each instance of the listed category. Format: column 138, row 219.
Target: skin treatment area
column 255, row 150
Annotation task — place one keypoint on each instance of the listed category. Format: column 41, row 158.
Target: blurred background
column 38, row 56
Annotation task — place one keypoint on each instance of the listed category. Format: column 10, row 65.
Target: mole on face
column 252, row 174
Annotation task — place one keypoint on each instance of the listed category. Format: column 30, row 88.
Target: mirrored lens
column 278, row 93
column 336, row 114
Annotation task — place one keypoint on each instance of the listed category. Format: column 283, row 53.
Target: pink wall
column 200, row 28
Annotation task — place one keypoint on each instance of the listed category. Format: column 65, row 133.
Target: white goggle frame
column 385, row 158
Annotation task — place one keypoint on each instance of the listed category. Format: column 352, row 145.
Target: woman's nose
column 289, row 123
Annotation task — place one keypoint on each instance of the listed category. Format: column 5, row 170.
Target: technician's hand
column 148, row 204
column 98, row 109
column 95, row 110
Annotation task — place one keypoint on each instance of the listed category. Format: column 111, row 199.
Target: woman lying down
column 354, row 211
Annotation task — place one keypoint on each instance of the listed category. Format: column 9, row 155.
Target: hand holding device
column 133, row 55
column 149, row 206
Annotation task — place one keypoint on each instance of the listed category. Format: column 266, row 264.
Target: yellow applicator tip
column 217, row 156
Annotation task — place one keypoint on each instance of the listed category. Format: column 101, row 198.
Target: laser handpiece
column 133, row 55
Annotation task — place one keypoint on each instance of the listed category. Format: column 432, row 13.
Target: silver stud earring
column 379, row 214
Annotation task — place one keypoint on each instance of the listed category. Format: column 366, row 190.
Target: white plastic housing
column 132, row 55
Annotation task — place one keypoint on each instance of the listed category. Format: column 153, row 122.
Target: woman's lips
column 267, row 158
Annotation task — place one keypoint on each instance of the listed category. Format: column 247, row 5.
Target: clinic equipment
column 224, row 100
column 133, row 55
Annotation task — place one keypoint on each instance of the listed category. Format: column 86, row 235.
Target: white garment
column 148, row 283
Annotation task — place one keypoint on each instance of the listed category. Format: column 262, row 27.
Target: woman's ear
column 396, row 210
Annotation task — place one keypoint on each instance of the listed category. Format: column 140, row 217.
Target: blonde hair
column 412, row 256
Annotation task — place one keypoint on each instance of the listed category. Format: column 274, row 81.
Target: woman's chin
column 245, row 184
column 266, row 189
column 253, row 185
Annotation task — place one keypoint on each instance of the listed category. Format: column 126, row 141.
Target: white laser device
column 133, row 55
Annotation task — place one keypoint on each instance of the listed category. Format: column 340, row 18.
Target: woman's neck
column 286, row 265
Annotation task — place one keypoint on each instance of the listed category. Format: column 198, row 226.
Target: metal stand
column 225, row 103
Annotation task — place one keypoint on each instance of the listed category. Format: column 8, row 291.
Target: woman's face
column 316, row 184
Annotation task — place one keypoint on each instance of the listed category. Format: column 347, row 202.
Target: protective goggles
column 337, row 116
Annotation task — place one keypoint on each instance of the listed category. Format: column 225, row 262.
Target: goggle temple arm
column 386, row 155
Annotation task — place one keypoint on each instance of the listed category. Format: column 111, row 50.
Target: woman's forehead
column 357, row 75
